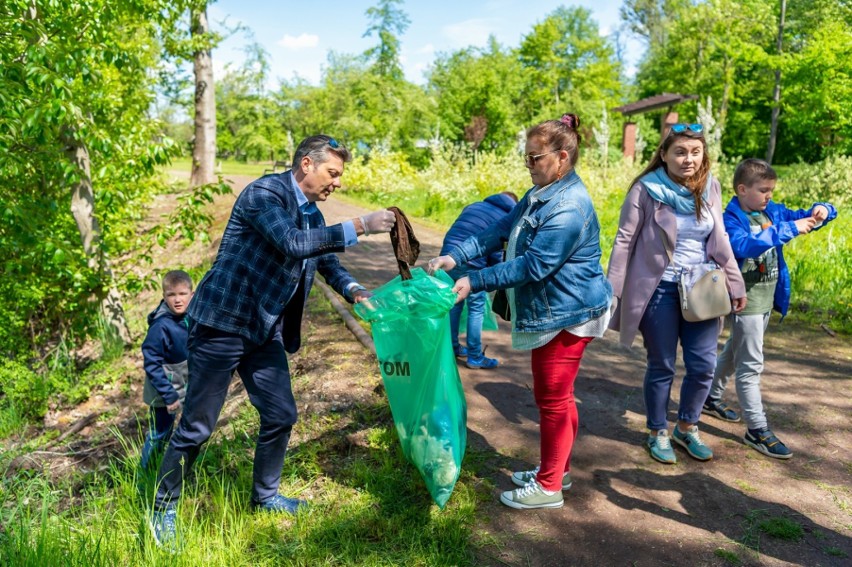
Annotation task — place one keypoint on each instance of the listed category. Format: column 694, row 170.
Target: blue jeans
column 475, row 315
column 161, row 424
column 662, row 326
column 214, row 355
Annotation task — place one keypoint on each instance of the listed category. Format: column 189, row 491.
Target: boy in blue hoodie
column 758, row 228
column 474, row 219
column 164, row 354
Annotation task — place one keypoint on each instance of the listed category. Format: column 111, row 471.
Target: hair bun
column 570, row 120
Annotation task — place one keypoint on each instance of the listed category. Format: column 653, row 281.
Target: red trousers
column 554, row 369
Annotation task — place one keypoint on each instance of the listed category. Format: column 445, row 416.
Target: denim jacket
column 556, row 272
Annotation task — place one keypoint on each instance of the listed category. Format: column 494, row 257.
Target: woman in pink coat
column 671, row 220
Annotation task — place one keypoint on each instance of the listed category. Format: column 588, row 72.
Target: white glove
column 379, row 221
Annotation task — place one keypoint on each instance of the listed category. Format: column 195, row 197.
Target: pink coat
column 639, row 256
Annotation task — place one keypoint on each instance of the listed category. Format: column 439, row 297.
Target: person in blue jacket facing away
column 164, row 355
column 758, row 229
column 475, row 219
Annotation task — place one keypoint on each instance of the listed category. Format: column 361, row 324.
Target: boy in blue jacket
column 164, row 354
column 474, row 219
column 758, row 228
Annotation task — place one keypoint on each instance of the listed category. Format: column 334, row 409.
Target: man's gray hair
column 318, row 147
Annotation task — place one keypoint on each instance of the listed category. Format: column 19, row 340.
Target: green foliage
column 68, row 79
column 24, row 392
column 247, row 118
column 387, row 21
column 455, row 177
column 568, row 67
column 362, row 109
column 478, row 93
column 828, row 180
column 727, row 50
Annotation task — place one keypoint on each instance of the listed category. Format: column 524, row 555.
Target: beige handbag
column 703, row 291
column 703, row 296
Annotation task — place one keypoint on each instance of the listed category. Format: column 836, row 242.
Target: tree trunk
column 727, row 71
column 776, row 93
column 204, row 147
column 83, row 210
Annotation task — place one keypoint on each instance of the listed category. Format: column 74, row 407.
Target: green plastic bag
column 411, row 330
column 489, row 318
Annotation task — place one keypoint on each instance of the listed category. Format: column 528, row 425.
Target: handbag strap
column 666, row 248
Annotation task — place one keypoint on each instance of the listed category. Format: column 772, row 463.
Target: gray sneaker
column 531, row 497
column 522, row 478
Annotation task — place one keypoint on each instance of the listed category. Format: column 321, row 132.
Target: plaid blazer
column 258, row 269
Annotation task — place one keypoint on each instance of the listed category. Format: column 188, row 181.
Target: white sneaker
column 522, row 478
column 530, row 497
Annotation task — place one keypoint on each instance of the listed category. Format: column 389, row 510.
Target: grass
column 730, row 557
column 226, row 167
column 782, row 528
column 368, row 507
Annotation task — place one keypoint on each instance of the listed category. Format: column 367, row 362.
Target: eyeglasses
column 681, row 127
column 530, row 160
column 333, row 143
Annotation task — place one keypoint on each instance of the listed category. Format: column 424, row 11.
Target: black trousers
column 213, row 357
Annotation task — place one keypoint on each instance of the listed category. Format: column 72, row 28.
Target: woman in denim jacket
column 672, row 219
column 558, row 294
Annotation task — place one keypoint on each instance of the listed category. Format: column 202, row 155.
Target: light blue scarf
column 661, row 187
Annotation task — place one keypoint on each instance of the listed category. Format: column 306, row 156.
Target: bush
column 804, row 184
column 24, row 390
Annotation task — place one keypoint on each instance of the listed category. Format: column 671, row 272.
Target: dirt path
column 626, row 509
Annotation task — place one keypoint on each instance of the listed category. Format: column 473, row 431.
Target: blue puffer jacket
column 165, row 343
column 556, row 273
column 782, row 231
column 475, row 219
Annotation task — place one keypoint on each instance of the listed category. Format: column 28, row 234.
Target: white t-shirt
column 691, row 246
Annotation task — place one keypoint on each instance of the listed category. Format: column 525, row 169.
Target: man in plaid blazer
column 246, row 315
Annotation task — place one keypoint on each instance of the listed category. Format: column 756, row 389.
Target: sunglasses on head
column 333, row 143
column 681, row 127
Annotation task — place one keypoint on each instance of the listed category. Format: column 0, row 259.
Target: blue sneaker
column 660, row 445
column 691, row 441
column 764, row 441
column 460, row 352
column 279, row 503
column 481, row 362
column 163, row 525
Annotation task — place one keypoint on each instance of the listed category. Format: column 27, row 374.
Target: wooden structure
column 664, row 100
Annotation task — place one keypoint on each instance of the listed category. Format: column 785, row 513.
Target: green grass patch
column 835, row 552
column 729, row 557
column 782, row 528
column 226, row 167
column 367, row 506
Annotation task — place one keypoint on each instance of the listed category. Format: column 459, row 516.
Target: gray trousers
column 743, row 356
